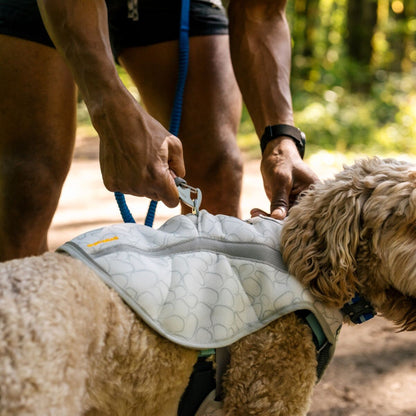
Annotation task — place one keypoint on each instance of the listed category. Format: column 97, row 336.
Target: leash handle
column 176, row 111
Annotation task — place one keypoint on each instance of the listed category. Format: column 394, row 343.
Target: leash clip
column 189, row 195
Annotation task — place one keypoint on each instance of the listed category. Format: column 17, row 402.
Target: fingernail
column 279, row 213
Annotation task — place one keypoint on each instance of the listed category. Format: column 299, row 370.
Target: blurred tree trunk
column 401, row 39
column 311, row 16
column 360, row 25
column 304, row 14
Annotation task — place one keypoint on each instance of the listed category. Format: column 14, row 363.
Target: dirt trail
column 373, row 372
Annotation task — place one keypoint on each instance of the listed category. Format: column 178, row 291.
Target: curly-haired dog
column 70, row 346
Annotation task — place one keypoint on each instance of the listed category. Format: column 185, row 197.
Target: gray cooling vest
column 201, row 281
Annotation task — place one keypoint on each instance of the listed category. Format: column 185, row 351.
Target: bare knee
column 218, row 172
column 30, row 193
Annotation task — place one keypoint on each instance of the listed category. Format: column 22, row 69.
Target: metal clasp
column 189, row 195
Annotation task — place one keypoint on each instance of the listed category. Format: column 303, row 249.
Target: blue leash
column 176, row 115
column 124, row 209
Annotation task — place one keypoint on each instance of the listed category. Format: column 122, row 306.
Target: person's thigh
column 210, row 115
column 37, row 130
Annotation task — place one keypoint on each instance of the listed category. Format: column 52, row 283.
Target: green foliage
column 344, row 105
column 381, row 121
column 337, row 119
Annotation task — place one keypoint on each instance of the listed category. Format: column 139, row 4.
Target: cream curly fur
column 357, row 233
column 70, row 346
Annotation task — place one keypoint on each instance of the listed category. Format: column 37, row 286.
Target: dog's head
column 357, row 233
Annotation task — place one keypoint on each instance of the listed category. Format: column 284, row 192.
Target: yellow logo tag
column 107, row 240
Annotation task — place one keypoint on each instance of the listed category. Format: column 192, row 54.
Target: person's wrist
column 284, row 130
column 105, row 108
column 282, row 146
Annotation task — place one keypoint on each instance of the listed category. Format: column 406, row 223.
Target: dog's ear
column 400, row 309
column 320, row 239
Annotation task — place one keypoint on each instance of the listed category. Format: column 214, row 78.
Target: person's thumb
column 279, row 205
column 175, row 159
column 279, row 213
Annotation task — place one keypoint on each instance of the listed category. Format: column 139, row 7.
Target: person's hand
column 285, row 176
column 138, row 156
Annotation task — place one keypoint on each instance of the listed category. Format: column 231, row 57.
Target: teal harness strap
column 319, row 336
column 207, row 353
column 320, row 340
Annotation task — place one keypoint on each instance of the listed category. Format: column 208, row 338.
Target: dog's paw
column 210, row 407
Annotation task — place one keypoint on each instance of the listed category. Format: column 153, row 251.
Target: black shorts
column 158, row 21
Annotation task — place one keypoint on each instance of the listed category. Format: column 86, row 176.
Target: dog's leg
column 272, row 372
column 133, row 370
column 141, row 374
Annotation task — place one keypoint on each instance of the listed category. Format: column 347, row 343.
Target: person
column 50, row 48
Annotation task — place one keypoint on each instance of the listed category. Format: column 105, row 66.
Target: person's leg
column 37, row 130
column 210, row 117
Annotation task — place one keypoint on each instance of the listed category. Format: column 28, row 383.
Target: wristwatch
column 278, row 130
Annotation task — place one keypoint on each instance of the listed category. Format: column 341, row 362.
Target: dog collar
column 358, row 309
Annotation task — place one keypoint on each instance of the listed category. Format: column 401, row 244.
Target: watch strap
column 278, row 130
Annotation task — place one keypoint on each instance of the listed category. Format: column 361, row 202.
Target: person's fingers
column 170, row 165
column 278, row 213
column 169, row 194
column 255, row 212
column 279, row 198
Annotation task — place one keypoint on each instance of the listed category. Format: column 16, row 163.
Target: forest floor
column 373, row 372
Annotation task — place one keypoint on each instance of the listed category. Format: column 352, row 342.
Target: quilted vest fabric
column 201, row 281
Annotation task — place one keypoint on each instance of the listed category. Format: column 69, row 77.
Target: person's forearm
column 79, row 30
column 137, row 154
column 261, row 54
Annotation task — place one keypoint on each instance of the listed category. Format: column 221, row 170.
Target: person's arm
column 261, row 54
column 137, row 154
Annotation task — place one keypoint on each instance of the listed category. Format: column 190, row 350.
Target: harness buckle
column 189, row 195
column 358, row 309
